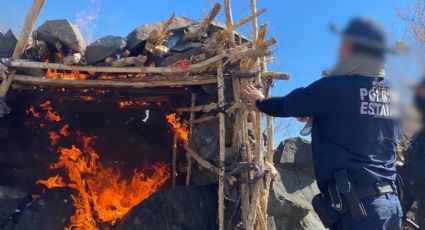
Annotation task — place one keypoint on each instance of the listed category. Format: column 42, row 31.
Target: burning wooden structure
column 167, row 65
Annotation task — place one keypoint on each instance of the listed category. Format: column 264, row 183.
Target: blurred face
column 345, row 49
column 420, row 92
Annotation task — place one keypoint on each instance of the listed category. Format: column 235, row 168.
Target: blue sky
column 306, row 47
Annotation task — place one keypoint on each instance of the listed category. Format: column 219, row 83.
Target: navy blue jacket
column 354, row 126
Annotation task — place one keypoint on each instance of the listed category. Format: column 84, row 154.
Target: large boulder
column 105, row 47
column 137, row 38
column 11, row 201
column 193, row 207
column 51, row 211
column 291, row 193
column 63, row 31
column 7, row 44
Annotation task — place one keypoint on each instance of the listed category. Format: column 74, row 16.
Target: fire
column 73, row 75
column 52, row 182
column 180, row 129
column 123, row 104
column 64, row 131
column 103, row 194
column 54, row 138
column 32, row 111
column 50, row 114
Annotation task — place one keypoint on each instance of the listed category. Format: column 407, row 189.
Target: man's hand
column 4, row 109
column 252, row 94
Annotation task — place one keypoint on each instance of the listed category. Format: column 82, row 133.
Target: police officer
column 413, row 170
column 354, row 133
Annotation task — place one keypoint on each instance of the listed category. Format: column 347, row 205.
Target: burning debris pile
column 164, row 101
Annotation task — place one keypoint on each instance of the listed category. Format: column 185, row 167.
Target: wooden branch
column 174, row 160
column 262, row 33
column 274, row 75
column 204, row 108
column 222, row 145
column 147, row 82
column 244, row 21
column 22, row 42
column 229, row 18
column 202, row 28
column 257, row 128
column 128, row 61
column 156, row 38
column 233, row 54
column 201, row 120
column 201, row 161
column 189, row 158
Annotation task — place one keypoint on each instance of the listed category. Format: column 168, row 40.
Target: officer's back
column 354, row 134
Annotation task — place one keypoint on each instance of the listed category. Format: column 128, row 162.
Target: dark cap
column 366, row 32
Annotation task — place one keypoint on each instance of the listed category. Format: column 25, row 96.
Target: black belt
column 379, row 188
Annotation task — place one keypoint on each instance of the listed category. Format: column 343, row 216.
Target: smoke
column 86, row 19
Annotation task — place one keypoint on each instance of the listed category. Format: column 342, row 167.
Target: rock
column 105, row 47
column 11, row 200
column 193, row 207
column 137, row 38
column 291, row 193
column 7, row 44
column 295, row 154
column 205, row 141
column 51, row 211
column 53, row 31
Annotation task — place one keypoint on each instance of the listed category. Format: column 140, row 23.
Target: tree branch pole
column 174, row 167
column 32, row 16
column 203, row 27
column 238, row 142
column 189, row 158
column 252, row 217
column 222, row 147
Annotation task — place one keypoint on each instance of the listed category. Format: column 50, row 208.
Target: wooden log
column 148, row 82
column 22, row 42
column 252, row 216
column 189, row 158
column 246, row 20
column 222, row 148
column 72, row 59
column 204, row 108
column 174, row 160
column 201, row 161
column 202, row 28
column 201, row 120
column 276, row 76
column 229, row 20
column 156, row 38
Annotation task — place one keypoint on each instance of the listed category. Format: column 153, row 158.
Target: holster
column 322, row 206
column 354, row 204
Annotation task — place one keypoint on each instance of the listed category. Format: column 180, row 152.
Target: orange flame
column 50, row 114
column 54, row 138
column 33, row 112
column 73, row 75
column 123, row 104
column 64, row 131
column 180, row 129
column 102, row 192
